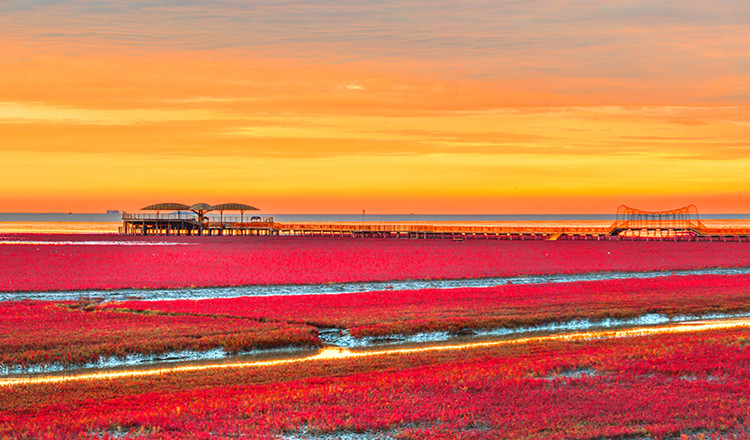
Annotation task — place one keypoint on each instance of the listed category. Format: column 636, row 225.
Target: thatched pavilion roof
column 234, row 207
column 169, row 206
column 201, row 207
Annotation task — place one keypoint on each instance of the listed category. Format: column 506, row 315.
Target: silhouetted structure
column 681, row 224
column 679, row 221
column 181, row 219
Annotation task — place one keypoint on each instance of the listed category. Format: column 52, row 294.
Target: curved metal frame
column 685, row 218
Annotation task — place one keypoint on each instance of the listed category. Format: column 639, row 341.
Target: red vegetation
column 33, row 332
column 69, row 333
column 509, row 306
column 661, row 387
column 224, row 261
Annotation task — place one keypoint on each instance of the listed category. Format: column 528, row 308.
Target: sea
column 110, row 221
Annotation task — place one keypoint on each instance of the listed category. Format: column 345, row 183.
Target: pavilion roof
column 234, row 207
column 204, row 207
column 168, row 206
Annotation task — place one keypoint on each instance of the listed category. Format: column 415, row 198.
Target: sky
column 392, row 106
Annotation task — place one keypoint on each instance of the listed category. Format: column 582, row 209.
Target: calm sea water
column 58, row 217
column 108, row 223
column 117, row 217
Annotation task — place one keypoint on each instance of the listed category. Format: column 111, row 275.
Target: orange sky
column 393, row 107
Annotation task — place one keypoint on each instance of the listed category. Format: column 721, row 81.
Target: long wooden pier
column 185, row 224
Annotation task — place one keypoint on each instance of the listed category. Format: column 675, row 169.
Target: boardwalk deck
column 183, row 224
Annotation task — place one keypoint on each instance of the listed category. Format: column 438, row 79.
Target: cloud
column 34, row 113
column 519, row 33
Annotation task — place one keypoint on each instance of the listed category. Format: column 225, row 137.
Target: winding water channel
column 335, row 353
column 339, row 342
column 337, row 288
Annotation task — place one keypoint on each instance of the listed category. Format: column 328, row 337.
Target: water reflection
column 337, row 288
column 336, row 353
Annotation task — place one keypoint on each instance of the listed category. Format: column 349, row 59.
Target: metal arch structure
column 685, row 219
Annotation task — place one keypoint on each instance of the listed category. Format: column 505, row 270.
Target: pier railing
column 169, row 216
column 213, row 218
column 238, row 219
column 707, row 230
column 437, row 228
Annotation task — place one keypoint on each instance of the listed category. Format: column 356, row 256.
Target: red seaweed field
column 654, row 387
column 70, row 333
column 171, row 262
column 505, row 306
column 41, row 333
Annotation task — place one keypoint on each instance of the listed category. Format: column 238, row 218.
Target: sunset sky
column 390, row 106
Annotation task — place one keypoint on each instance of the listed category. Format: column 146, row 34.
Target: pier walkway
column 184, row 224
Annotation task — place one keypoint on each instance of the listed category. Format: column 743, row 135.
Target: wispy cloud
column 33, row 113
column 619, row 49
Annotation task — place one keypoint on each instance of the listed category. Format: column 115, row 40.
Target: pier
column 186, row 224
column 677, row 225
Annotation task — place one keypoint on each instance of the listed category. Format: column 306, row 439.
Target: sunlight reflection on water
column 332, row 354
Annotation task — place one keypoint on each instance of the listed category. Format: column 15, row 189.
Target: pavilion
column 172, row 218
